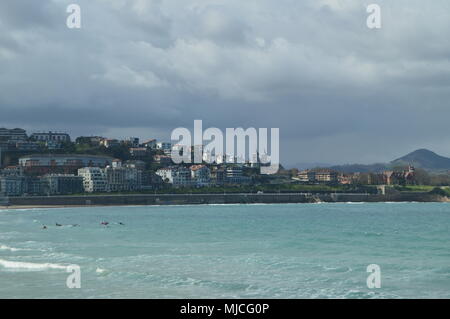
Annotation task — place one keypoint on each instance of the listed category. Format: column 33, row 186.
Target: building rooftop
column 66, row 155
column 13, row 129
column 318, row 170
column 50, row 132
column 197, row 167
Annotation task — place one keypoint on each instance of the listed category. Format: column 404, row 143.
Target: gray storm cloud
column 338, row 91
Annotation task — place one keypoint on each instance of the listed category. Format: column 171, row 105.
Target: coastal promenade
column 222, row 198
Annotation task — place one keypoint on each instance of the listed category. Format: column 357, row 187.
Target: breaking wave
column 12, row 249
column 29, row 266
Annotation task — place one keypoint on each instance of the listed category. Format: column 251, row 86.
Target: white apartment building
column 122, row 178
column 200, row 175
column 94, row 179
column 234, row 175
column 177, row 176
column 182, row 177
column 12, row 185
column 166, row 174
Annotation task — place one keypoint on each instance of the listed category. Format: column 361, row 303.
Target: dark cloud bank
column 338, row 91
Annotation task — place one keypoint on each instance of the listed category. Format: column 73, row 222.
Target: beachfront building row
column 15, row 180
column 202, row 176
column 318, row 176
column 57, row 184
column 323, row 175
column 59, row 174
column 94, row 179
column 179, row 176
column 88, row 180
column 115, row 178
column 12, row 186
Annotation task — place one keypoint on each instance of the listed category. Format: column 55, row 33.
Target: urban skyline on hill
column 423, row 158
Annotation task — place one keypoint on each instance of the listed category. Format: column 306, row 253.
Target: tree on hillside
column 421, row 177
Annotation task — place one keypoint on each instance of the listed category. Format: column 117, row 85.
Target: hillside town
column 51, row 163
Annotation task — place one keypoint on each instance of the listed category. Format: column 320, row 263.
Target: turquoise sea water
column 228, row 251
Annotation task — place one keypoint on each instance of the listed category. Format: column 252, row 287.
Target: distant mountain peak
column 423, row 151
column 425, row 159
column 421, row 158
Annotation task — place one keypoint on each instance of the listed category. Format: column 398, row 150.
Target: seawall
column 192, row 199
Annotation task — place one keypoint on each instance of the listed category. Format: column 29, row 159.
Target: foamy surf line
column 12, row 249
column 29, row 266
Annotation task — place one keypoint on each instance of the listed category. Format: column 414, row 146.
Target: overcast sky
column 338, row 91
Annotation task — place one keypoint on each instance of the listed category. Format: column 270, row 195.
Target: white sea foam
column 12, row 249
column 100, row 270
column 29, row 266
column 402, row 202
